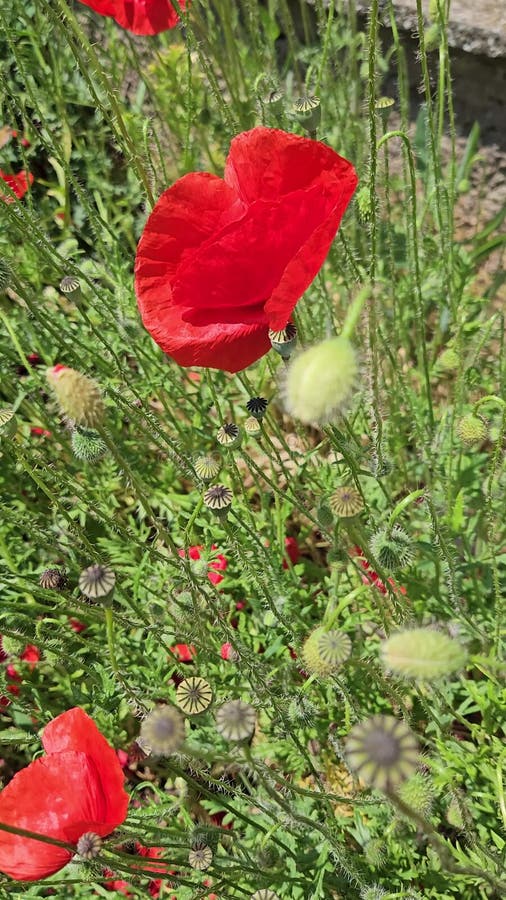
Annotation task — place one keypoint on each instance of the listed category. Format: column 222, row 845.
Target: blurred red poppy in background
column 139, row 16
column 223, row 260
column 18, row 184
column 76, row 788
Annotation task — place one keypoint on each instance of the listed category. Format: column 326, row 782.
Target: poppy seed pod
column 308, row 111
column 422, row 653
column 252, row 427
column 382, row 751
column 8, row 423
column 163, row 730
column 229, row 436
column 97, row 581
column 200, row 857
column 320, row 381
column 284, row 341
column 236, row 720
column 194, row 695
column 324, row 651
column 53, row 579
column 264, row 894
column 79, row 396
column 89, row 845
column 257, row 406
column 71, row 286
column 218, row 498
column 346, row 502
column 207, row 467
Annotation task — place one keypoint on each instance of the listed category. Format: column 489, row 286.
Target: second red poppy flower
column 222, row 261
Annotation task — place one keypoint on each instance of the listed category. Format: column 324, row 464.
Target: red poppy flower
column 77, row 787
column 219, row 564
column 184, row 652
column 223, row 260
column 292, row 550
column 76, row 625
column 18, row 184
column 31, row 655
column 139, row 16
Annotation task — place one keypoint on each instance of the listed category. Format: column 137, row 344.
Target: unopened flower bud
column 422, row 653
column 79, row 396
column 392, row 547
column 472, row 429
column 87, row 444
column 320, row 381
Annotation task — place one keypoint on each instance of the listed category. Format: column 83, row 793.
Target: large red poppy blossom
column 17, row 183
column 76, row 788
column 223, row 260
column 139, row 16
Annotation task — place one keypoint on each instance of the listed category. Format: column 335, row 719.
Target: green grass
column 112, row 121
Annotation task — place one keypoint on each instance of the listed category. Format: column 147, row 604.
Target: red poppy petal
column 59, row 796
column 267, row 163
column 257, row 268
column 74, row 730
column 139, row 16
column 226, row 347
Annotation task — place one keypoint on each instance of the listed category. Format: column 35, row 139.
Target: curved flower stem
column 402, row 504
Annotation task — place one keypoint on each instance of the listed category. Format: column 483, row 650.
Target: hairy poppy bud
column 79, row 396
column 320, row 381
column 87, row 444
column 417, row 793
column 472, row 429
column 392, row 547
column 422, row 653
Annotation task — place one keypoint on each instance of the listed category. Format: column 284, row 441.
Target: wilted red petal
column 139, row 16
column 222, row 261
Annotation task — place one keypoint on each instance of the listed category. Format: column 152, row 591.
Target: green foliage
column 112, row 121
